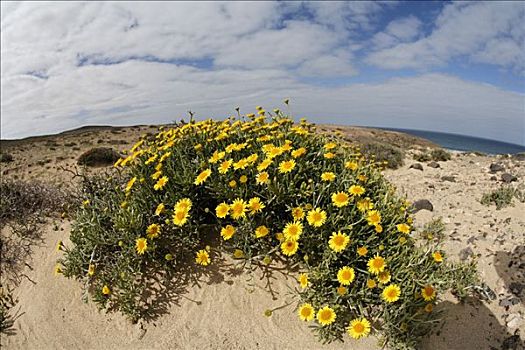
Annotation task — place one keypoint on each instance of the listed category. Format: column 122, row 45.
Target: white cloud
column 477, row 30
column 397, row 31
column 249, row 54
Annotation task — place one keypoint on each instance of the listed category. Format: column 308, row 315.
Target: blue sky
column 443, row 66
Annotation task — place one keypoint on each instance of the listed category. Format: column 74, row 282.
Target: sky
column 455, row 67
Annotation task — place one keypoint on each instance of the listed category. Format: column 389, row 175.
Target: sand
column 225, row 310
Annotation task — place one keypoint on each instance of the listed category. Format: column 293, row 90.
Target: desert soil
column 225, row 309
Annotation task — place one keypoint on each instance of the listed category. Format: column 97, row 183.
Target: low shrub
column 100, row 156
column 265, row 190
column 440, row 155
column 6, row 157
column 502, row 197
column 437, row 155
column 383, row 153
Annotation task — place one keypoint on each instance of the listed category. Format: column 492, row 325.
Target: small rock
column 508, row 178
column 417, row 166
column 422, row 204
column 511, row 343
column 471, row 240
column 465, row 253
column 514, row 321
column 448, row 178
column 433, row 165
column 516, row 288
column 494, row 178
column 495, row 167
column 509, row 301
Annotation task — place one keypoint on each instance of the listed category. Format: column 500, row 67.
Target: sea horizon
column 463, row 143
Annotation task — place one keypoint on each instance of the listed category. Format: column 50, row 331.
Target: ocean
column 464, row 143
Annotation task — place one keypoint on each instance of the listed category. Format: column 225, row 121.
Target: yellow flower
column 329, row 155
column 429, row 308
column 227, row 232
column 338, row 241
column 356, row 190
column 403, row 228
column 428, row 293
column 303, row 280
column 340, row 199
column 373, row 217
column 326, row 316
column 328, row 176
column 153, row 231
column 316, row 217
column 289, row 248
column 351, row 165
column 342, row 290
column 362, row 251
column 241, row 164
column 216, row 156
column 223, row 168
column 160, row 183
column 306, row 312
column 160, row 209
column 261, row 231
column 376, row 265
column 384, row 277
column 330, row 145
column 391, row 293
column 91, row 269
column 364, row 205
column 298, row 213
column 238, row 254
column 58, row 269
column 156, row 175
column 238, row 209
column 183, row 205
column 378, row 228
column 362, row 178
column 202, row 176
column 262, row 178
column 141, row 244
column 106, row 290
column 358, row 328
column 346, row 275
column 130, row 184
column 437, row 257
column 222, row 210
column 286, row 166
column 298, row 152
column 292, row 231
column 232, row 183
column 255, row 205
column 252, row 158
column 243, row 179
column 370, row 283
column 264, row 164
column 202, row 258
column 180, row 217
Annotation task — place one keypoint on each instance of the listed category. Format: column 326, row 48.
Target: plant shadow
column 510, row 266
column 167, row 288
column 470, row 325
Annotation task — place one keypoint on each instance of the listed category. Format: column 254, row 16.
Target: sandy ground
column 225, row 310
